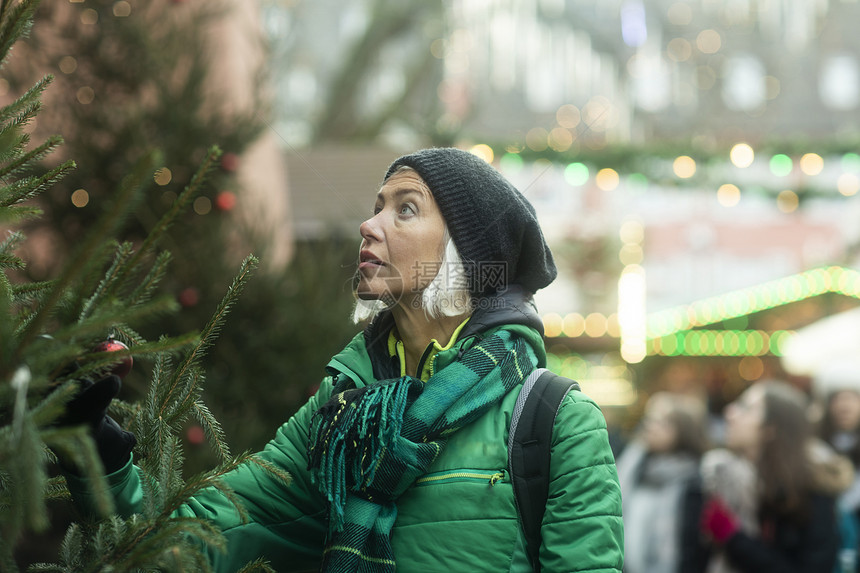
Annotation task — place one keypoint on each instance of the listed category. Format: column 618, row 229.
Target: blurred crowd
column 776, row 489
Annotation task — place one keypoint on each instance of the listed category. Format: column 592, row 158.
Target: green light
column 689, row 345
column 576, row 174
column 575, row 367
column 850, row 162
column 553, row 362
column 678, row 340
column 781, row 165
column 637, row 182
column 742, row 343
column 777, row 340
column 511, row 162
column 755, row 343
column 730, row 343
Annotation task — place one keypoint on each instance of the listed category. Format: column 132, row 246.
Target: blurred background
column 694, row 164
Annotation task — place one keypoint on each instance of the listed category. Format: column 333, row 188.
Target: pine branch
column 146, row 287
column 19, row 213
column 15, row 23
column 123, row 202
column 10, row 261
column 211, row 478
column 123, row 254
column 32, row 156
column 13, row 241
column 213, row 327
column 30, row 187
column 212, row 430
column 76, row 445
column 180, row 205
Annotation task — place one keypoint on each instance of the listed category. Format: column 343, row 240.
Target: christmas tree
column 49, row 342
column 144, row 69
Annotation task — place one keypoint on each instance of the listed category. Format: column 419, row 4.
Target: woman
column 659, row 472
column 771, row 499
column 837, row 385
column 400, row 458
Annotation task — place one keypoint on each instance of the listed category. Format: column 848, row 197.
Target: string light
column 750, row 300
column 720, row 343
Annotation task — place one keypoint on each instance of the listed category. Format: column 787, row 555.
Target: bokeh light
column 576, row 174
column 568, row 116
column 89, row 17
column 728, row 195
column 742, row 155
column 811, row 164
column 552, row 324
column 709, row 41
column 607, row 179
column 684, row 166
column 202, row 205
column 848, row 184
column 781, row 165
column 850, row 162
column 85, row 95
column 162, row 176
column 560, row 139
column 67, row 64
column 537, row 139
column 121, row 9
column 787, row 201
column 680, row 14
column 483, row 151
column 80, row 198
column 632, row 232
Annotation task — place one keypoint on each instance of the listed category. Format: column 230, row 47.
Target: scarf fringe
column 364, row 421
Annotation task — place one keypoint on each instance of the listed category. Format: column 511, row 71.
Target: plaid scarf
column 369, row 445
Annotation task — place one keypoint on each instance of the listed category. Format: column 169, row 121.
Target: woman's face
column 401, row 246
column 744, row 421
column 845, row 410
column 658, row 432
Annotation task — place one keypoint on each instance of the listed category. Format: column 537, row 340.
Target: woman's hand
column 89, row 407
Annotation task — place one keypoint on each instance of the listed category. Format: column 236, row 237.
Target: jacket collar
column 367, row 357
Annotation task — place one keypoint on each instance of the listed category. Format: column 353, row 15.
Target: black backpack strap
column 529, row 444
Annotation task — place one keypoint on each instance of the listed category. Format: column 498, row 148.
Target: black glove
column 90, row 407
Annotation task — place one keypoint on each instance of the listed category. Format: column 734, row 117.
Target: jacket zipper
column 492, row 478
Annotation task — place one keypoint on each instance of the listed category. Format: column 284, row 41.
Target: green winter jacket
column 461, row 516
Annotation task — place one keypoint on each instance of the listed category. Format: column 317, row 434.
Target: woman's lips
column 369, row 260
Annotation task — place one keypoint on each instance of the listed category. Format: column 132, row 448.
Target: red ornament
column 196, row 435
column 230, row 162
column 225, row 201
column 121, row 368
column 189, row 297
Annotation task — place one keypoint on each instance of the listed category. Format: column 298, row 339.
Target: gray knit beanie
column 494, row 227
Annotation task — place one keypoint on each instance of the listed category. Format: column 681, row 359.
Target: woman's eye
column 407, row 209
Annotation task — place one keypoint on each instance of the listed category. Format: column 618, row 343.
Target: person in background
column 769, row 500
column 399, row 461
column 837, row 385
column 658, row 471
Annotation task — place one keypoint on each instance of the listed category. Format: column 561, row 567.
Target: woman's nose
column 369, row 229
